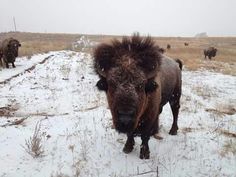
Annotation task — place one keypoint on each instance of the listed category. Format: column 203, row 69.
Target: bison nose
column 126, row 117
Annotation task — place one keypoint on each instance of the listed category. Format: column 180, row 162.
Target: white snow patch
column 61, row 94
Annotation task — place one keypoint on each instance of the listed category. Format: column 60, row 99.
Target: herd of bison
column 138, row 81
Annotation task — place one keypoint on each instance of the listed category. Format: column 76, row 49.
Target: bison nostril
column 125, row 117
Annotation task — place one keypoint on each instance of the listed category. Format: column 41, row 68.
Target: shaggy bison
column 186, row 44
column 1, row 64
column 168, row 46
column 138, row 82
column 9, row 51
column 210, row 52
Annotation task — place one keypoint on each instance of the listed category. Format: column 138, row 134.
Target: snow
column 61, row 94
column 83, row 42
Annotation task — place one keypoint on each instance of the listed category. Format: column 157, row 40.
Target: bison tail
column 180, row 63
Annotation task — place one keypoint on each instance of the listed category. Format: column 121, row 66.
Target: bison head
column 214, row 50
column 13, row 46
column 127, row 70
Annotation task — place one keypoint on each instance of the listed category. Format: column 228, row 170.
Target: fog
column 120, row 17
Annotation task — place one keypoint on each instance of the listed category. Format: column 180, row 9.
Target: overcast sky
column 121, row 17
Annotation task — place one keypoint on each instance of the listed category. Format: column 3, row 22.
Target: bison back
column 170, row 76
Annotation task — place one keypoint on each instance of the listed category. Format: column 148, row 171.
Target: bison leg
column 7, row 65
column 129, row 145
column 13, row 65
column 144, row 148
column 174, row 104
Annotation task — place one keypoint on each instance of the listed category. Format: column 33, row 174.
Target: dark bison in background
column 138, row 82
column 168, row 46
column 1, row 54
column 186, row 44
column 210, row 52
column 9, row 51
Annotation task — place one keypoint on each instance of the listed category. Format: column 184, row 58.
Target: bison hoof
column 144, row 153
column 173, row 131
column 128, row 148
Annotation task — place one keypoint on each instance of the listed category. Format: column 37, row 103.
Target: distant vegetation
column 192, row 55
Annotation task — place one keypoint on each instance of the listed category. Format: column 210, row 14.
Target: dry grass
column 223, row 109
column 192, row 55
column 229, row 147
column 8, row 110
column 34, row 145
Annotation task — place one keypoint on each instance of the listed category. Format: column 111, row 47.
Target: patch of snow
column 82, row 43
column 61, row 94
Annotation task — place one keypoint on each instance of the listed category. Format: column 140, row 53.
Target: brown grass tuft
column 34, row 145
column 229, row 147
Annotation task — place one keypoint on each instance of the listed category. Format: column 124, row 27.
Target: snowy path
column 76, row 124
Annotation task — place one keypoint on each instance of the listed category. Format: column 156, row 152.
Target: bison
column 138, row 82
column 186, row 44
column 210, row 52
column 168, row 46
column 1, row 54
column 9, row 51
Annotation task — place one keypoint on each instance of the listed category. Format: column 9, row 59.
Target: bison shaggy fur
column 138, row 81
column 210, row 52
column 168, row 46
column 9, row 51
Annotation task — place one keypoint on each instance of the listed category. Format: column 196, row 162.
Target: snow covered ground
column 59, row 95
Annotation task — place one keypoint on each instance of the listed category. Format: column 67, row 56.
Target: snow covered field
column 59, row 95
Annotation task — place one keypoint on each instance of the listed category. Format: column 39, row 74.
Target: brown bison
column 168, row 46
column 9, row 51
column 1, row 54
column 138, row 82
column 186, row 44
column 210, row 52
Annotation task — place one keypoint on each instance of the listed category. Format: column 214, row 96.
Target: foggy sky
column 121, row 17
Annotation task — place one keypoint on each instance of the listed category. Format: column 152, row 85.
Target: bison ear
column 102, row 84
column 151, row 86
column 19, row 44
column 103, row 56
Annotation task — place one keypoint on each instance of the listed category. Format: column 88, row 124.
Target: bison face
column 127, row 70
column 127, row 91
column 126, row 97
column 214, row 52
column 13, row 47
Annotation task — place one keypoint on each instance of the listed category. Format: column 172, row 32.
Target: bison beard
column 138, row 82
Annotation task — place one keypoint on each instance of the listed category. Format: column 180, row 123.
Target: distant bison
column 168, row 46
column 1, row 54
column 186, row 44
column 210, row 52
column 9, row 51
column 138, row 82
